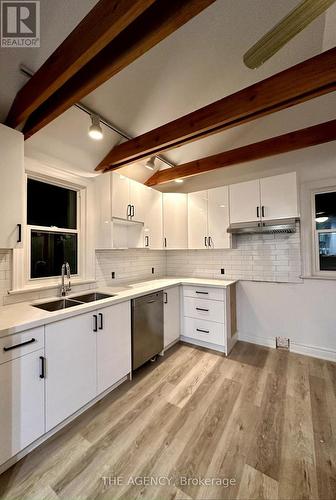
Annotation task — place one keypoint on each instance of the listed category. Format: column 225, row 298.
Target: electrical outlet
column 222, row 270
column 153, row 270
column 113, row 275
column 282, row 343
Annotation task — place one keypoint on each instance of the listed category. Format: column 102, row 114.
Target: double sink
column 58, row 305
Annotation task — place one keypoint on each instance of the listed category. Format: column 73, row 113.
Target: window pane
column 325, row 210
column 49, row 205
column 50, row 250
column 327, row 250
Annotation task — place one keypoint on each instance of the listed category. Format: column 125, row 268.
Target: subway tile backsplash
column 271, row 257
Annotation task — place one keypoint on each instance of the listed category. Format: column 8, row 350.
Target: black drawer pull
column 19, row 239
column 165, row 295
column 202, row 309
column 42, row 372
column 202, row 331
column 203, row 293
column 19, row 345
column 95, row 323
column 101, row 322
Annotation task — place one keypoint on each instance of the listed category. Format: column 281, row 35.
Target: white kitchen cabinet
column 153, row 224
column 175, row 220
column 279, row 197
column 198, row 220
column 245, row 202
column 71, row 367
column 171, row 315
column 120, row 195
column 138, row 200
column 208, row 219
column 113, row 344
column 218, row 217
column 103, row 215
column 11, row 187
column 264, row 199
column 21, row 393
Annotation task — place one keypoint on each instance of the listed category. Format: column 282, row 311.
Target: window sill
column 40, row 288
column 323, row 278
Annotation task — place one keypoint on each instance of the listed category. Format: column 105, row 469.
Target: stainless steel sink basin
column 57, row 305
column 92, row 297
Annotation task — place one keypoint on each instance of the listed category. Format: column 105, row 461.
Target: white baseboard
column 200, row 343
column 298, row 348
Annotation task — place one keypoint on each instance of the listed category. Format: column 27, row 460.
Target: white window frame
column 315, row 234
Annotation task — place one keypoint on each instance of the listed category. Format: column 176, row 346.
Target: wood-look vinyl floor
column 260, row 424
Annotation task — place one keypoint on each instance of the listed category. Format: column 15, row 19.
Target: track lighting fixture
column 150, row 164
column 95, row 130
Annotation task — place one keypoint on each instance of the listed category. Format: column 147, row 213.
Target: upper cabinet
column 208, row 215
column 175, row 221
column 264, row 199
column 153, row 226
column 120, row 203
column 11, row 187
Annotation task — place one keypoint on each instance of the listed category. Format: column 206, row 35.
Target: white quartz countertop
column 23, row 316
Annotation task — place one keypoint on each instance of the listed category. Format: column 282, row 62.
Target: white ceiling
column 198, row 64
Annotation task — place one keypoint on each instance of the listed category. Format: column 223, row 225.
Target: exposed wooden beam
column 304, row 138
column 304, row 81
column 103, row 23
column 158, row 21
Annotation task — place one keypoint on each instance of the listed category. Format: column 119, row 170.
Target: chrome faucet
column 65, row 289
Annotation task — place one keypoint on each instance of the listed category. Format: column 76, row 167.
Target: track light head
column 95, row 130
column 150, row 164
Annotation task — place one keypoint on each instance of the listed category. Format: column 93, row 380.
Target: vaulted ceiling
column 198, row 64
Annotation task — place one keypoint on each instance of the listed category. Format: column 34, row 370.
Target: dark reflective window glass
column 325, row 216
column 327, row 251
column 50, row 250
column 49, row 205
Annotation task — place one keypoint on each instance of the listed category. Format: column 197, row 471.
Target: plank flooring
column 260, row 424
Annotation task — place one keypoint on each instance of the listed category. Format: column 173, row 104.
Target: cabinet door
column 138, row 200
column 153, row 232
column 120, row 195
column 21, row 404
column 218, row 217
column 171, row 315
column 113, row 344
column 279, row 198
column 175, row 220
column 198, row 219
column 11, row 187
column 245, row 201
column 103, row 212
column 71, row 381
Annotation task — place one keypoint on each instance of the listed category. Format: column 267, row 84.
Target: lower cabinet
column 71, row 362
column 172, row 323
column 113, row 344
column 85, row 355
column 21, row 392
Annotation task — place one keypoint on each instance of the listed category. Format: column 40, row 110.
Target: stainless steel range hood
column 264, row 227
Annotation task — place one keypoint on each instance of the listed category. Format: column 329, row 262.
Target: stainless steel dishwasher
column 147, row 328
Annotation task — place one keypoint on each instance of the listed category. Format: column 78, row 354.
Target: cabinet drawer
column 205, row 331
column 17, row 345
column 210, row 310
column 204, row 292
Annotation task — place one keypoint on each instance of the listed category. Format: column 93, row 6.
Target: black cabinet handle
column 128, row 211
column 202, row 331
column 202, row 309
column 146, row 241
column 205, row 241
column 209, row 241
column 202, row 293
column 6, row 349
column 42, row 372
column 263, row 211
column 165, row 294
column 258, row 212
column 95, row 323
column 19, row 239
column 101, row 321
column 132, row 210
column 165, row 242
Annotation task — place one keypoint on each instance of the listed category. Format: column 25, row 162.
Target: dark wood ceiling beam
column 157, row 22
column 304, row 138
column 104, row 22
column 304, row 81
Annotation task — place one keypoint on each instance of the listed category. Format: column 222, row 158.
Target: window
column 53, row 228
column 325, row 231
